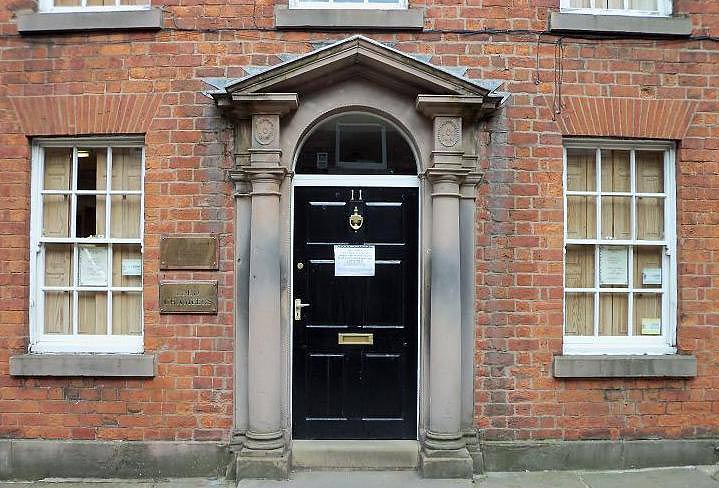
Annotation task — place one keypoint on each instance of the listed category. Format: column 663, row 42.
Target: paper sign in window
column 93, row 265
column 613, row 265
column 652, row 276
column 132, row 267
column 354, row 260
column 651, row 326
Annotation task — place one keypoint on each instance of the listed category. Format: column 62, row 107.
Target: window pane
column 126, row 265
column 613, row 312
column 615, row 171
column 616, row 218
column 100, row 3
column 58, row 265
column 126, row 313
column 614, row 266
column 580, row 3
column 67, row 3
column 643, row 5
column 126, row 168
column 56, row 215
column 125, row 218
column 90, row 216
column 58, row 168
column 650, row 219
column 581, row 217
column 581, row 169
column 579, row 314
column 91, row 169
column 92, row 266
column 58, row 312
column 92, row 312
column 648, row 266
column 650, row 171
column 647, row 314
column 579, row 267
column 134, row 2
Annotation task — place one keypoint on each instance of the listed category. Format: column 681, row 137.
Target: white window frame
column 665, row 10
column 48, row 6
column 651, row 345
column 356, row 4
column 77, row 343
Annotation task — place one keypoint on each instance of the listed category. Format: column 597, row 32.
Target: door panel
column 355, row 391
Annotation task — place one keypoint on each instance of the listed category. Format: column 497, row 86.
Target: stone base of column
column 445, row 464
column 271, row 464
column 475, row 450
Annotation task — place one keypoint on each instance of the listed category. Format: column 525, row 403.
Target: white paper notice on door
column 354, row 260
column 613, row 265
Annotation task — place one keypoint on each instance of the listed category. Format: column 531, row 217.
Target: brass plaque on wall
column 188, row 252
column 188, row 297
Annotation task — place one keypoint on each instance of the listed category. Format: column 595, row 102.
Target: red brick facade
column 149, row 83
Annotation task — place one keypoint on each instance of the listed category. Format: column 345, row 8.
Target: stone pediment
column 354, row 57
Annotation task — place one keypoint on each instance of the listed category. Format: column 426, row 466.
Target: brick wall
column 519, row 220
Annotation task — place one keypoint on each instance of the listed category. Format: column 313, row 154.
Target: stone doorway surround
column 272, row 112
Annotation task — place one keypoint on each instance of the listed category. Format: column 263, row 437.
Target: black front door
column 355, row 343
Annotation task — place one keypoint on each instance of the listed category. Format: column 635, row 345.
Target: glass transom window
column 619, row 249
column 619, row 7
column 87, row 248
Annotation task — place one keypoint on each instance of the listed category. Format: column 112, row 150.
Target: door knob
column 298, row 308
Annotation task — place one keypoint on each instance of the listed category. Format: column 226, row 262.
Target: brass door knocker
column 356, row 220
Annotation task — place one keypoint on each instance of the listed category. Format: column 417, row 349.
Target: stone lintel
column 452, row 105
column 342, row 19
column 672, row 26
column 660, row 366
column 244, row 105
column 94, row 365
column 47, row 22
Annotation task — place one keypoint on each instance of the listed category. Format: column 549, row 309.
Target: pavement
column 679, row 477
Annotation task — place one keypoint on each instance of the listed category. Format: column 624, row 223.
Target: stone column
column 444, row 454
column 264, row 454
column 468, row 296
column 243, row 209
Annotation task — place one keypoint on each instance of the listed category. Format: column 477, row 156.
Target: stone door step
column 360, row 455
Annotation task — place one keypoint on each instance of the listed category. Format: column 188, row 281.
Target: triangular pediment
column 357, row 56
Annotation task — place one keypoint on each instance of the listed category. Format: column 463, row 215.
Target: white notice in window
column 613, row 265
column 132, row 267
column 93, row 265
column 652, row 276
column 651, row 326
column 354, row 260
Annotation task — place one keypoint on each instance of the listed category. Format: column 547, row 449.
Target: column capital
column 468, row 186
column 265, row 172
column 242, row 182
column 452, row 175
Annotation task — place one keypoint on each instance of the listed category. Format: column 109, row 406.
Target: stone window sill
column 36, row 23
column 620, row 24
column 666, row 366
column 330, row 19
column 97, row 365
